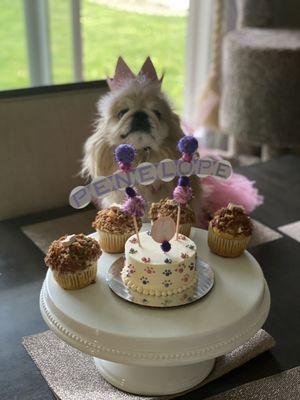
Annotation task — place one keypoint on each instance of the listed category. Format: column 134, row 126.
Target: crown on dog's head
column 123, row 73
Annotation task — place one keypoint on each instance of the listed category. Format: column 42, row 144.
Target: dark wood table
column 22, row 272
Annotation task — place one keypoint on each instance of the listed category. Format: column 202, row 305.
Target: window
column 48, row 34
column 14, row 72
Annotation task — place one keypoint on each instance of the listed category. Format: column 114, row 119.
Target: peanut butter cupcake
column 73, row 260
column 229, row 231
column 169, row 208
column 114, row 227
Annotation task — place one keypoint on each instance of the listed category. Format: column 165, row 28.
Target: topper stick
column 136, row 230
column 178, row 221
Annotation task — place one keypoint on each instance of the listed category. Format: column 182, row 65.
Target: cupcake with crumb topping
column 73, row 260
column 169, row 208
column 229, row 231
column 114, row 227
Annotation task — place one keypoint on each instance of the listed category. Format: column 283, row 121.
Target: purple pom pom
column 188, row 144
column 182, row 194
column 125, row 153
column 183, row 181
column 135, row 206
column 130, row 191
column 165, row 246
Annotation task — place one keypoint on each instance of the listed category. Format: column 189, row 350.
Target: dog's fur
column 160, row 143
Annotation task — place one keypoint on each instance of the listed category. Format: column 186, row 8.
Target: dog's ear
column 97, row 159
column 176, row 131
column 175, row 134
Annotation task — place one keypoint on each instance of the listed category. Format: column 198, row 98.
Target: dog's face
column 139, row 114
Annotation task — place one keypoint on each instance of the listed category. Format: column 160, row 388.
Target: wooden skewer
column 178, row 221
column 136, row 230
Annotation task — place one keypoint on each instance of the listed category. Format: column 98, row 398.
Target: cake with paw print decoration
column 150, row 270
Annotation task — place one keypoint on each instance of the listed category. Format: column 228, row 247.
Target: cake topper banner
column 145, row 174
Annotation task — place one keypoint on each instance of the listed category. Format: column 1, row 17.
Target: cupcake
column 169, row 208
column 114, row 227
column 229, row 231
column 73, row 260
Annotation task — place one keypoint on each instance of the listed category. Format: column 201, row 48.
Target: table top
column 22, row 273
column 230, row 314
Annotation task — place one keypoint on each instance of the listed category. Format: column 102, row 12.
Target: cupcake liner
column 77, row 279
column 226, row 247
column 113, row 242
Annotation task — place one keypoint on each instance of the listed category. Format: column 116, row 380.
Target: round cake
column 150, row 271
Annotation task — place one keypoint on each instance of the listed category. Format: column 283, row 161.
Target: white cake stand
column 160, row 351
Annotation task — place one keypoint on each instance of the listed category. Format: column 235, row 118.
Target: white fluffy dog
column 135, row 111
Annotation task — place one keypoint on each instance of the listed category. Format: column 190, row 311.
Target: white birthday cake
column 151, row 271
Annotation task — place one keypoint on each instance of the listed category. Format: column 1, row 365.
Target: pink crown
column 124, row 73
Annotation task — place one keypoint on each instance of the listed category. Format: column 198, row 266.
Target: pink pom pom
column 125, row 167
column 182, row 194
column 187, row 157
column 218, row 193
column 135, row 206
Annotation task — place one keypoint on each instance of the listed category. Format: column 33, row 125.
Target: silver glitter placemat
column 292, row 230
column 72, row 375
column 262, row 234
column 282, row 386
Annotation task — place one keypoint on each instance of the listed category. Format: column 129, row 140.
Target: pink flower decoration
column 187, row 157
column 133, row 240
column 146, row 259
column 179, row 270
column 182, row 194
column 149, row 270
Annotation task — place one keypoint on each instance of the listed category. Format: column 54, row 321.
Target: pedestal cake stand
column 151, row 351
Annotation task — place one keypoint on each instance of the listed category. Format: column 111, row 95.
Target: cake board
column 160, row 351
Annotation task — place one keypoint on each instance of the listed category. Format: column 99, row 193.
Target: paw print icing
column 166, row 302
column 133, row 240
column 132, row 251
column 167, row 272
column 148, row 233
column 184, row 255
column 146, row 259
column 167, row 283
column 168, row 261
column 149, row 270
column 144, row 280
column 185, row 278
column 130, row 270
column 180, row 268
column 190, row 246
column 192, row 266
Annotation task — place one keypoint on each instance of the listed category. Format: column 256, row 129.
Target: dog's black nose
column 140, row 116
column 140, row 121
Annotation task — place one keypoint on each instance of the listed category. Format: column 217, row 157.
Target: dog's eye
column 157, row 113
column 122, row 112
